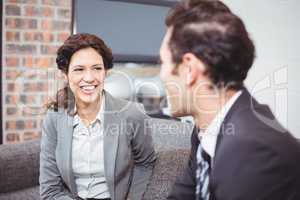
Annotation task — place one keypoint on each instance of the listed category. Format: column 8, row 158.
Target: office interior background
column 32, row 30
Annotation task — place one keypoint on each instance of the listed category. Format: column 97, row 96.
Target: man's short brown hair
column 216, row 36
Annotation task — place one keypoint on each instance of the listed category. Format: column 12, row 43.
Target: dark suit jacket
column 255, row 158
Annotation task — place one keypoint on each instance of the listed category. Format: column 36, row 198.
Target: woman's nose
column 88, row 76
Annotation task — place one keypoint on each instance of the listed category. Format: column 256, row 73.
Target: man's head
column 205, row 44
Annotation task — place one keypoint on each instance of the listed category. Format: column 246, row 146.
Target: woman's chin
column 88, row 99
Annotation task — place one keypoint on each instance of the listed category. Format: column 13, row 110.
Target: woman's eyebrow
column 91, row 66
column 98, row 64
column 77, row 66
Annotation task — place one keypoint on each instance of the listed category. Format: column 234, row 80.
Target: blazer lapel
column 65, row 130
column 112, row 125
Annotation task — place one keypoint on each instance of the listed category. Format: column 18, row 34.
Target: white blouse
column 88, row 157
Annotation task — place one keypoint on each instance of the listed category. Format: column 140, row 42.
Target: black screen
column 132, row 30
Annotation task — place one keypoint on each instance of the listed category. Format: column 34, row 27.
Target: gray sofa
column 19, row 171
column 19, row 163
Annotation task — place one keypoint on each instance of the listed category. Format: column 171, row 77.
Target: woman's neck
column 88, row 112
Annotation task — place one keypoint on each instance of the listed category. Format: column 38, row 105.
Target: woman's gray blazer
column 128, row 152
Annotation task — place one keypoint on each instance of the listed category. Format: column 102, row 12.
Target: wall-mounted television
column 133, row 29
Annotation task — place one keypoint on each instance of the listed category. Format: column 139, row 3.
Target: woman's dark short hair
column 64, row 97
column 81, row 41
column 209, row 30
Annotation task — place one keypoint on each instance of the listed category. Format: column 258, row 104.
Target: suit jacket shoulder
column 255, row 156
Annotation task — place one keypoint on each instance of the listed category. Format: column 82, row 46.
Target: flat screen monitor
column 133, row 29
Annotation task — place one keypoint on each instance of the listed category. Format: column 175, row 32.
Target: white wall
column 274, row 78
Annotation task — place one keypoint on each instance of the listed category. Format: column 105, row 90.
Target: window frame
column 1, row 71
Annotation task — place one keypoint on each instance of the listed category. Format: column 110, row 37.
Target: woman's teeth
column 88, row 89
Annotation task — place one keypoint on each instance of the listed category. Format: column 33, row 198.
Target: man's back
column 252, row 160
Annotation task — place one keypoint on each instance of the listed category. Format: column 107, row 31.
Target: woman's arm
column 51, row 185
column 143, row 154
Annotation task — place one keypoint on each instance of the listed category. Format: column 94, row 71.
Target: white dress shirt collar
column 210, row 135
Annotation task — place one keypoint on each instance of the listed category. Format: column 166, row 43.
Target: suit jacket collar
column 112, row 123
column 65, row 133
column 247, row 102
column 243, row 102
column 210, row 135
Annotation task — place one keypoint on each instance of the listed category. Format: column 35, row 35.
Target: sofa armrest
column 169, row 165
column 19, row 165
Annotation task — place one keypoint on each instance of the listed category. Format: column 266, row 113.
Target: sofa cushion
column 19, row 166
column 24, row 194
column 170, row 134
column 169, row 165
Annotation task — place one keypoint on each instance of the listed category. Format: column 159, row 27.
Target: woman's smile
column 88, row 89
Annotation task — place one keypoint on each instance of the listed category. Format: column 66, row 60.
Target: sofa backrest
column 170, row 134
column 19, row 165
column 19, row 169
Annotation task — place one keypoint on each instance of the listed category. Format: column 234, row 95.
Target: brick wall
column 32, row 31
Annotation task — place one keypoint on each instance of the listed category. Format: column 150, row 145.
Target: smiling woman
column 84, row 60
column 94, row 146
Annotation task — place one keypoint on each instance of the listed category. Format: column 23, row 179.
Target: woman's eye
column 98, row 68
column 77, row 69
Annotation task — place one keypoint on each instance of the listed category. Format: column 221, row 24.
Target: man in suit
column 239, row 150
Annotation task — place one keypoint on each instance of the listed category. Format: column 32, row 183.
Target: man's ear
column 194, row 68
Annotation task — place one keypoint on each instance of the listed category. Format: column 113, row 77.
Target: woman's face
column 86, row 76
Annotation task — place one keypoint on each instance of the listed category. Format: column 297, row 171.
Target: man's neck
column 213, row 105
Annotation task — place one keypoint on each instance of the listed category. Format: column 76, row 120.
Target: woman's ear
column 65, row 76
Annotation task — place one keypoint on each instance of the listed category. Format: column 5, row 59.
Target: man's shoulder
column 257, row 132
